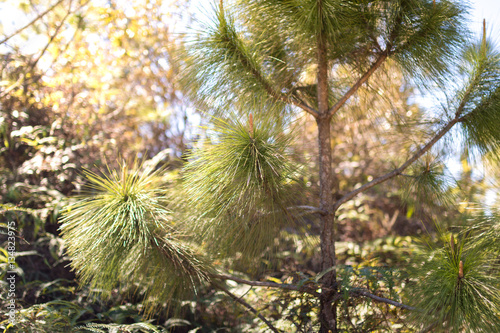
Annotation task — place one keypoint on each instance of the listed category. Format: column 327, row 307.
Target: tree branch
column 276, row 95
column 465, row 99
column 57, row 31
column 358, row 84
column 22, row 78
column 297, row 101
column 265, row 284
column 469, row 90
column 31, row 23
column 289, row 99
column 382, row 57
column 249, row 307
column 399, row 170
column 54, row 35
column 382, row 299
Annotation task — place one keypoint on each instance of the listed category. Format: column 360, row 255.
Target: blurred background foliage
column 93, row 83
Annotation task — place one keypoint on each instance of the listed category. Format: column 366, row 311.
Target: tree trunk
column 328, row 316
column 328, row 313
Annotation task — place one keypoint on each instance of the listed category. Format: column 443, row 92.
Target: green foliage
column 272, row 47
column 428, row 185
column 54, row 316
column 423, row 35
column 362, row 315
column 485, row 232
column 479, row 98
column 131, row 328
column 122, row 234
column 427, row 34
column 132, row 234
column 338, row 22
column 234, row 66
column 61, row 316
column 456, row 287
column 241, row 183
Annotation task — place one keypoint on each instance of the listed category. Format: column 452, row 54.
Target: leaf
column 175, row 322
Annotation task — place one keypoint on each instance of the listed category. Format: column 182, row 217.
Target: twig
column 358, row 84
column 265, row 284
column 60, row 52
column 245, row 61
column 249, row 307
column 382, row 299
column 12, row 86
column 31, row 23
column 54, row 35
column 399, row 170
column 22, row 78
column 382, row 57
column 273, row 93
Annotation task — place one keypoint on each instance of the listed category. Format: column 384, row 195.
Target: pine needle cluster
column 120, row 234
column 427, row 184
column 458, row 287
column 225, row 70
column 485, row 232
column 480, row 106
column 241, row 183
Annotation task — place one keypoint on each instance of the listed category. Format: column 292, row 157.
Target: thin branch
column 22, row 78
column 297, row 101
column 54, row 35
column 265, row 284
column 358, row 84
column 13, row 86
column 276, row 95
column 301, row 104
column 399, row 170
column 31, row 23
column 310, row 209
column 471, row 87
column 464, row 100
column 36, row 11
column 271, row 91
column 382, row 299
column 383, row 56
column 248, row 306
column 60, row 52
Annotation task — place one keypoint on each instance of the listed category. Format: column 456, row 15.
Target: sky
column 489, row 10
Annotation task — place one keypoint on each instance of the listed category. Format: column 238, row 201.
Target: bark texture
column 328, row 313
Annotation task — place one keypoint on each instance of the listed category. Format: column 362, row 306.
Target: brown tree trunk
column 328, row 313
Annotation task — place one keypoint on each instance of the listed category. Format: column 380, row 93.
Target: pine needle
column 120, row 235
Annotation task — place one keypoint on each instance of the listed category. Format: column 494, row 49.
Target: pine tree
column 265, row 61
